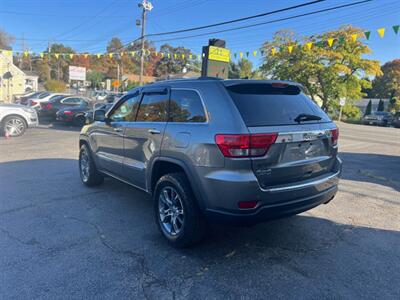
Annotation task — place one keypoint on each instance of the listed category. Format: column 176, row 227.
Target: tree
column 115, row 45
column 387, row 85
column 327, row 72
column 234, row 72
column 381, row 105
column 245, row 68
column 6, row 40
column 95, row 78
column 174, row 60
column 368, row 110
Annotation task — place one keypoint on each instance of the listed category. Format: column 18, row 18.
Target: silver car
column 210, row 150
column 15, row 119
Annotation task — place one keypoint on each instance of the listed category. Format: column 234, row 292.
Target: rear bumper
column 273, row 211
column 276, row 202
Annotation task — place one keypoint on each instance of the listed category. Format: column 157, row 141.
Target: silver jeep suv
column 241, row 151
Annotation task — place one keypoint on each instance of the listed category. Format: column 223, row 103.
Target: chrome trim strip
column 300, row 136
column 300, row 186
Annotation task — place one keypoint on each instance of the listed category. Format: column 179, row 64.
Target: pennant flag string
column 330, row 42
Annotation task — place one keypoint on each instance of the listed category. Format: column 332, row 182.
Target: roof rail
column 209, row 78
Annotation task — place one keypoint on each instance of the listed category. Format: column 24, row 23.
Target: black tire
column 91, row 176
column 19, row 122
column 193, row 228
column 79, row 121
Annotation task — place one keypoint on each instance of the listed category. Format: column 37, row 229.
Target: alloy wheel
column 14, row 127
column 85, row 165
column 171, row 213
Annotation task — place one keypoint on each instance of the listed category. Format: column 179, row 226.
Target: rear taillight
column 67, row 112
column 47, row 106
column 245, row 145
column 33, row 103
column 335, row 136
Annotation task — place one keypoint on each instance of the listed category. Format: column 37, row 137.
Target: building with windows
column 14, row 81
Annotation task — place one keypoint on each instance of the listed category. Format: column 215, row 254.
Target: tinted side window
column 126, row 112
column 186, row 106
column 153, row 108
column 71, row 101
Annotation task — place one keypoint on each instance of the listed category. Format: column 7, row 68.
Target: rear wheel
column 177, row 215
column 79, row 121
column 14, row 126
column 90, row 176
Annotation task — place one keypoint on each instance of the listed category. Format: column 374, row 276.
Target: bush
column 351, row 112
column 55, row 86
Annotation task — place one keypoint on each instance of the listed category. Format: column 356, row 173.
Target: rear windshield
column 265, row 105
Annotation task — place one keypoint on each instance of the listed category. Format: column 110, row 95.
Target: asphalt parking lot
column 59, row 239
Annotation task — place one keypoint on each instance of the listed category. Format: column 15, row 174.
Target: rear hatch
column 305, row 136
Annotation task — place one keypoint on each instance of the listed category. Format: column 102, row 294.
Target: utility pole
column 146, row 6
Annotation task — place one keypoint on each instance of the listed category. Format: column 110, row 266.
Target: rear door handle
column 118, row 129
column 154, row 131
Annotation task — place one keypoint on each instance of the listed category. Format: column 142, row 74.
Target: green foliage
column 381, row 105
column 245, row 68
column 55, row 86
column 351, row 112
column 95, row 78
column 387, row 85
column 368, row 110
column 327, row 73
column 174, row 60
column 132, row 85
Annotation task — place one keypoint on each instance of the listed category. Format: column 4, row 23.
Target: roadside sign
column 77, row 73
column 219, row 54
column 342, row 101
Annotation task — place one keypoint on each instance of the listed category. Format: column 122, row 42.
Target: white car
column 15, row 119
column 35, row 102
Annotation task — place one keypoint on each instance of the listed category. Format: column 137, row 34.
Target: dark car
column 209, row 150
column 89, row 115
column 74, row 115
column 396, row 120
column 380, row 118
column 50, row 108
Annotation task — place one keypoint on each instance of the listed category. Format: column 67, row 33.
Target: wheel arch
column 165, row 165
column 15, row 115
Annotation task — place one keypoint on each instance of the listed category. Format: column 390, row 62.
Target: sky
column 88, row 25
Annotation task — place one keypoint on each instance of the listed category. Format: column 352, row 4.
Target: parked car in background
column 50, row 108
column 75, row 114
column 37, row 95
column 242, row 151
column 35, row 102
column 15, row 119
column 380, row 118
column 396, row 120
column 89, row 115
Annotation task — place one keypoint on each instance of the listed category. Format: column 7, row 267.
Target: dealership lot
column 59, row 239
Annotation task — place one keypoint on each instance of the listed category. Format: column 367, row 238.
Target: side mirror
column 99, row 115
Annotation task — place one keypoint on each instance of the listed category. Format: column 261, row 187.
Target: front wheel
column 90, row 176
column 177, row 215
column 14, row 126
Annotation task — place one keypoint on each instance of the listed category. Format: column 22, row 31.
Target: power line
column 267, row 22
column 237, row 20
column 227, row 22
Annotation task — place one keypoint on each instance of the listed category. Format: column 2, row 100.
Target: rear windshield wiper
column 306, row 117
